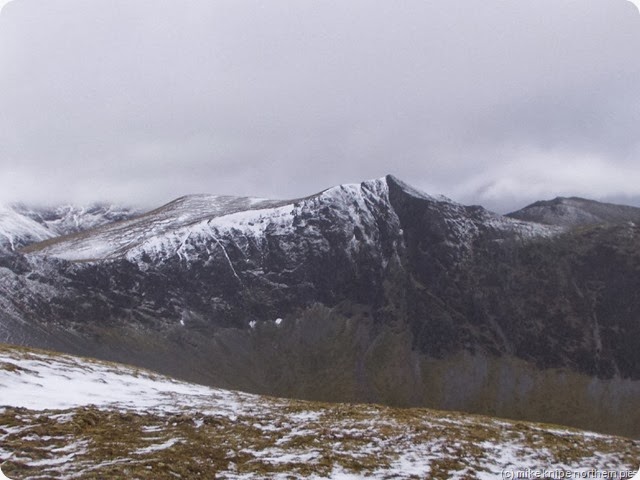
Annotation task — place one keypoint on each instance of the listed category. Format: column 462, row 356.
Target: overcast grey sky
column 497, row 102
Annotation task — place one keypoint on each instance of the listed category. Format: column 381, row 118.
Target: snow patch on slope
column 277, row 437
column 42, row 382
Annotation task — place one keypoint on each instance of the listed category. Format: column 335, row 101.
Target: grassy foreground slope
column 70, row 417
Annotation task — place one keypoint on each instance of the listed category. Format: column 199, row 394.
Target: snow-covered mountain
column 166, row 226
column 371, row 292
column 17, row 230
column 194, row 221
column 68, row 417
column 21, row 225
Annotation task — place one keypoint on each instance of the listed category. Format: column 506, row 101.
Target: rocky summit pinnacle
column 371, row 292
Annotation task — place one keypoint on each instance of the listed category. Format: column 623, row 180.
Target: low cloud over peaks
column 143, row 101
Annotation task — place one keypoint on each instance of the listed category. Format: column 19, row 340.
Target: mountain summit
column 574, row 211
column 371, row 292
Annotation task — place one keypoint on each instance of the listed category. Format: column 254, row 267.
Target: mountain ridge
column 367, row 292
column 212, row 207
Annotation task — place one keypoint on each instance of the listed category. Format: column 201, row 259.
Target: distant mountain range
column 371, row 292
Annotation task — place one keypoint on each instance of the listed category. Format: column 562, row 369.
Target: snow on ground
column 67, row 417
column 37, row 381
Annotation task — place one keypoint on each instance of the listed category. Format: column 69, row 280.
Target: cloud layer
column 496, row 102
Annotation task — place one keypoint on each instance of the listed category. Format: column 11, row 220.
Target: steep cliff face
column 363, row 292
